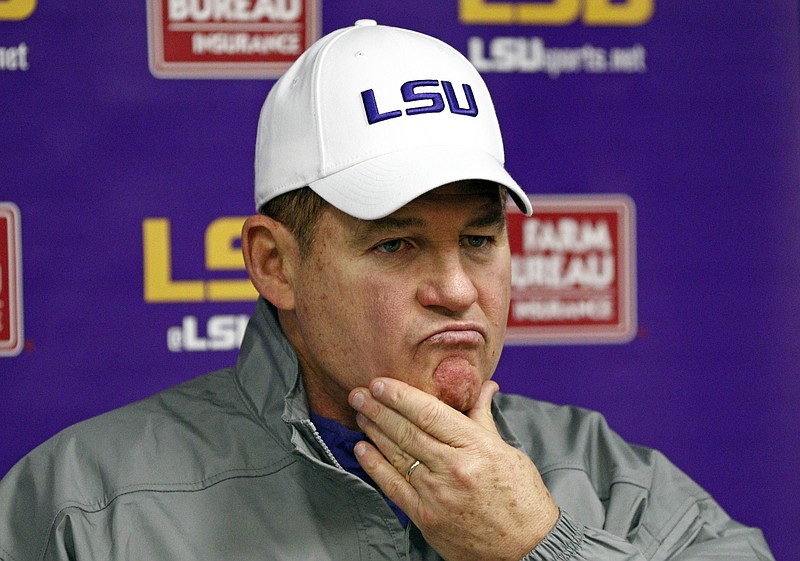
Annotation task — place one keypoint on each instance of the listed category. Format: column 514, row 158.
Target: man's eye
column 390, row 246
column 476, row 241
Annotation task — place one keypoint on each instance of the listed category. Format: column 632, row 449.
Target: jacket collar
column 267, row 369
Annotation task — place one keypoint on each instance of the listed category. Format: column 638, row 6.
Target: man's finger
column 398, row 438
column 398, row 455
column 481, row 413
column 387, row 477
column 423, row 410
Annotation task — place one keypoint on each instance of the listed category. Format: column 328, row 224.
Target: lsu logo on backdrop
column 229, row 38
column 222, row 333
column 531, row 54
column 11, row 337
column 557, row 12
column 573, row 271
column 222, row 253
column 223, row 256
column 16, row 10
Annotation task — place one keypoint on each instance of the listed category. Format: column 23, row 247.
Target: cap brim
column 376, row 188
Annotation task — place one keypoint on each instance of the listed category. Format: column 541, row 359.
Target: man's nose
column 447, row 284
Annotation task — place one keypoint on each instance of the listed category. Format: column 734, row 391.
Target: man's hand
column 473, row 496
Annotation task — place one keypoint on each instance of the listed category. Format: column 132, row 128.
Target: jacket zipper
column 310, row 426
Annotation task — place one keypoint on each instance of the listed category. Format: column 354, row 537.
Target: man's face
column 421, row 296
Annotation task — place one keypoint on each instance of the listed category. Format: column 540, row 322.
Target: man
column 360, row 421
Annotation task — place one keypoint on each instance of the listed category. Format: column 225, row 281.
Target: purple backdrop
column 696, row 117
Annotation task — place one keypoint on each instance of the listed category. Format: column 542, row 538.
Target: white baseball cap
column 371, row 117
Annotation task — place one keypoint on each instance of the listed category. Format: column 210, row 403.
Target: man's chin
column 457, row 383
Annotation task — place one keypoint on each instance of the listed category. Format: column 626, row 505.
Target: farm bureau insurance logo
column 530, row 54
column 229, row 38
column 11, row 338
column 573, row 274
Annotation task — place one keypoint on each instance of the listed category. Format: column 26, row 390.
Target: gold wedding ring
column 411, row 470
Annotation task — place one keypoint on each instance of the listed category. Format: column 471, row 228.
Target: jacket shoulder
column 564, row 437
column 184, row 438
column 632, row 491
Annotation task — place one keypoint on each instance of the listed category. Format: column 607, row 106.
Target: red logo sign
column 573, row 271
column 11, row 340
column 229, row 38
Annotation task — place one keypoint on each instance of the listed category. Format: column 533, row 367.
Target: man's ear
column 271, row 255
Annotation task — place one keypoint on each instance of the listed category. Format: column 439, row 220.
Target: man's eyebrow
column 369, row 228
column 493, row 217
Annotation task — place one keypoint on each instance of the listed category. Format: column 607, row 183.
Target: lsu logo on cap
column 411, row 94
column 15, row 10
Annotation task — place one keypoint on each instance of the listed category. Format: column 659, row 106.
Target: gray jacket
column 229, row 467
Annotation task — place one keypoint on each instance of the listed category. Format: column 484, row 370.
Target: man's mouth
column 456, row 337
column 463, row 333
